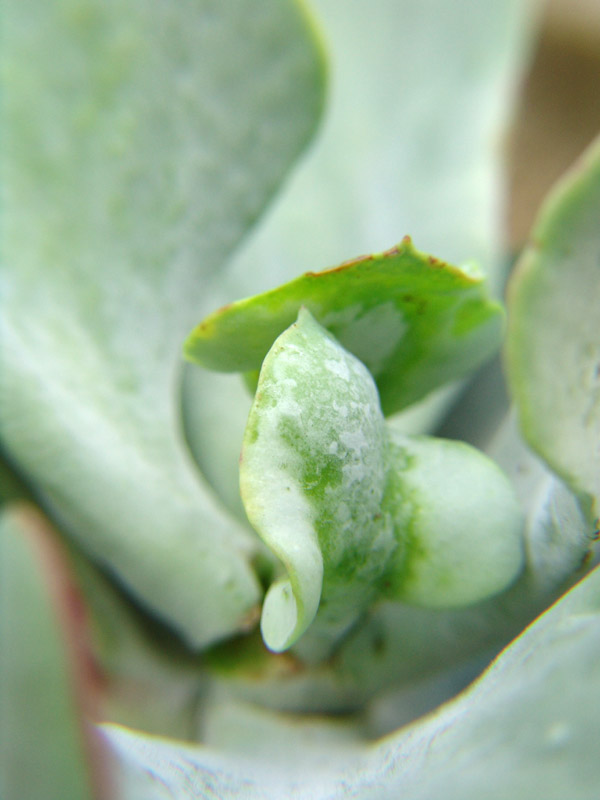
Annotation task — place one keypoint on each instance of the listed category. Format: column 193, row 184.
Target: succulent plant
column 265, row 529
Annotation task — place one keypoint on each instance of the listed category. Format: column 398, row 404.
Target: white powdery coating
column 313, row 466
column 338, row 368
column 272, row 494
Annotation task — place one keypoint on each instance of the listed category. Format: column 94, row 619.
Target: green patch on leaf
column 413, row 320
column 462, row 523
column 356, row 512
column 312, row 474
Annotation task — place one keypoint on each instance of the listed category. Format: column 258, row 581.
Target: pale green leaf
column 215, row 409
column 462, row 524
column 411, row 140
column 558, row 536
column 527, row 728
column 553, row 345
column 140, row 142
column 411, row 143
column 355, row 511
column 415, row 322
column 48, row 750
column 312, row 478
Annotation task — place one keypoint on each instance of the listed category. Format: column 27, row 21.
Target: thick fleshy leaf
column 398, row 646
column 411, row 142
column 553, row 345
column 415, row 322
column 524, row 729
column 559, row 538
column 140, row 142
column 355, row 511
column 312, row 477
column 48, row 682
column 462, row 522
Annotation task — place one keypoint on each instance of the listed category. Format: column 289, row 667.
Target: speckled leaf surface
column 140, row 142
column 553, row 346
column 411, row 143
column 312, row 478
column 355, row 512
column 527, row 728
column 415, row 321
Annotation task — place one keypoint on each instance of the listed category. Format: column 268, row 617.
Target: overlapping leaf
column 356, row 512
column 524, row 729
column 140, row 143
column 410, row 143
column 415, row 322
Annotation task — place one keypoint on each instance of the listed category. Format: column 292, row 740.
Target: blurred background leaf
column 141, row 142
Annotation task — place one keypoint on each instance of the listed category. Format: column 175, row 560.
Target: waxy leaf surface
column 140, row 143
column 312, row 477
column 413, row 320
column 356, row 512
column 553, row 345
column 410, row 142
column 524, row 729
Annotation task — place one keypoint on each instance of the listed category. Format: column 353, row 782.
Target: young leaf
column 409, row 142
column 355, row 511
column 553, row 345
column 312, row 476
column 141, row 142
column 416, row 322
column 461, row 521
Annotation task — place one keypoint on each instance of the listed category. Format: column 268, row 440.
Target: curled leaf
column 312, row 478
column 355, row 511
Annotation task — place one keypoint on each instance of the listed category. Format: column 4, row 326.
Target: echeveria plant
column 288, row 581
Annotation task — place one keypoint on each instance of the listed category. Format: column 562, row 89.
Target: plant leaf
column 48, row 687
column 312, row 478
column 557, row 532
column 355, row 511
column 410, row 143
column 415, row 322
column 553, row 345
column 461, row 521
column 524, row 729
column 141, row 142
